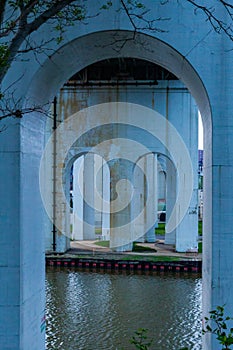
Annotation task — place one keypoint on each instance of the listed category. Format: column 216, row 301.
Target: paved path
column 162, row 249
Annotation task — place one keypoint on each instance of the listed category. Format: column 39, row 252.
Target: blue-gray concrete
column 200, row 58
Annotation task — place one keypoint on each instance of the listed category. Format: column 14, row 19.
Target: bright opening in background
column 200, row 132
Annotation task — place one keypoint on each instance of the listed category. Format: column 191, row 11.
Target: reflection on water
column 101, row 311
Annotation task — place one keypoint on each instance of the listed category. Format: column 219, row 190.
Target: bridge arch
column 88, row 49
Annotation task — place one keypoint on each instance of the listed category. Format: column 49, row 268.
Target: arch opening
column 162, row 54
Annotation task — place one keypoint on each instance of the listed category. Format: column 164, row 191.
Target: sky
column 200, row 132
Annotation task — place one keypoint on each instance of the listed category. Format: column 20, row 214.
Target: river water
column 101, row 311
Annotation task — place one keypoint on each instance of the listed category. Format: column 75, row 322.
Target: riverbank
column 160, row 257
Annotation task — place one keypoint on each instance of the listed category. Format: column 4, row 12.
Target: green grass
column 151, row 258
column 141, row 249
column 200, row 228
column 102, row 244
column 136, row 248
column 160, row 230
column 98, row 231
column 199, row 247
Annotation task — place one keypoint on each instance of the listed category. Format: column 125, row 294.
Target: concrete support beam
column 22, row 297
column 105, row 202
column 152, row 193
column 139, row 199
column 171, row 180
column 77, row 230
column 89, row 199
column 120, row 173
column 83, row 198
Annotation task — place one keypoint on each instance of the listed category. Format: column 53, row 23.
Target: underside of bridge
column 188, row 47
column 126, row 80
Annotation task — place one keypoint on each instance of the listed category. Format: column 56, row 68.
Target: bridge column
column 152, row 193
column 120, row 172
column 77, row 229
column 186, row 233
column 139, row 199
column 88, row 191
column 22, row 297
column 63, row 235
column 98, row 196
column 106, row 202
column 83, row 210
column 217, row 216
column 102, row 197
column 170, row 237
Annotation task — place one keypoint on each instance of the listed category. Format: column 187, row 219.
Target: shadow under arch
column 91, row 48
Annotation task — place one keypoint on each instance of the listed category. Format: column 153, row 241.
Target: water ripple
column 92, row 311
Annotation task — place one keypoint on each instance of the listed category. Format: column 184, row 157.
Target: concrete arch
column 45, row 83
column 88, row 49
column 97, row 46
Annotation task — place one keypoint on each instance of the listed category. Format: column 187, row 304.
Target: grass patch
column 199, row 247
column 200, row 228
column 160, row 230
column 104, row 244
column 98, row 231
column 151, row 258
column 141, row 249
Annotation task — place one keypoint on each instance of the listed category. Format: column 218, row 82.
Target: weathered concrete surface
column 169, row 97
column 202, row 60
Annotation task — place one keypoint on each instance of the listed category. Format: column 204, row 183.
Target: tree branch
column 57, row 6
column 128, row 15
column 218, row 24
column 25, row 29
column 2, row 10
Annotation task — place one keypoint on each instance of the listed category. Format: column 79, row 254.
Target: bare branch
column 2, row 10
column 219, row 25
column 128, row 14
column 25, row 29
column 9, row 107
column 57, row 6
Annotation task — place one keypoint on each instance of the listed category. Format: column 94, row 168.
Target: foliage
column 217, row 324
column 20, row 19
column 141, row 342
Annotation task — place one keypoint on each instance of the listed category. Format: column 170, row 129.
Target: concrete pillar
column 22, row 297
column 63, row 236
column 152, row 193
column 88, row 197
column 139, row 199
column 121, row 174
column 102, row 197
column 170, row 238
column 187, row 234
column 77, row 230
column 98, row 194
column 83, row 198
column 106, row 202
column 61, row 215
